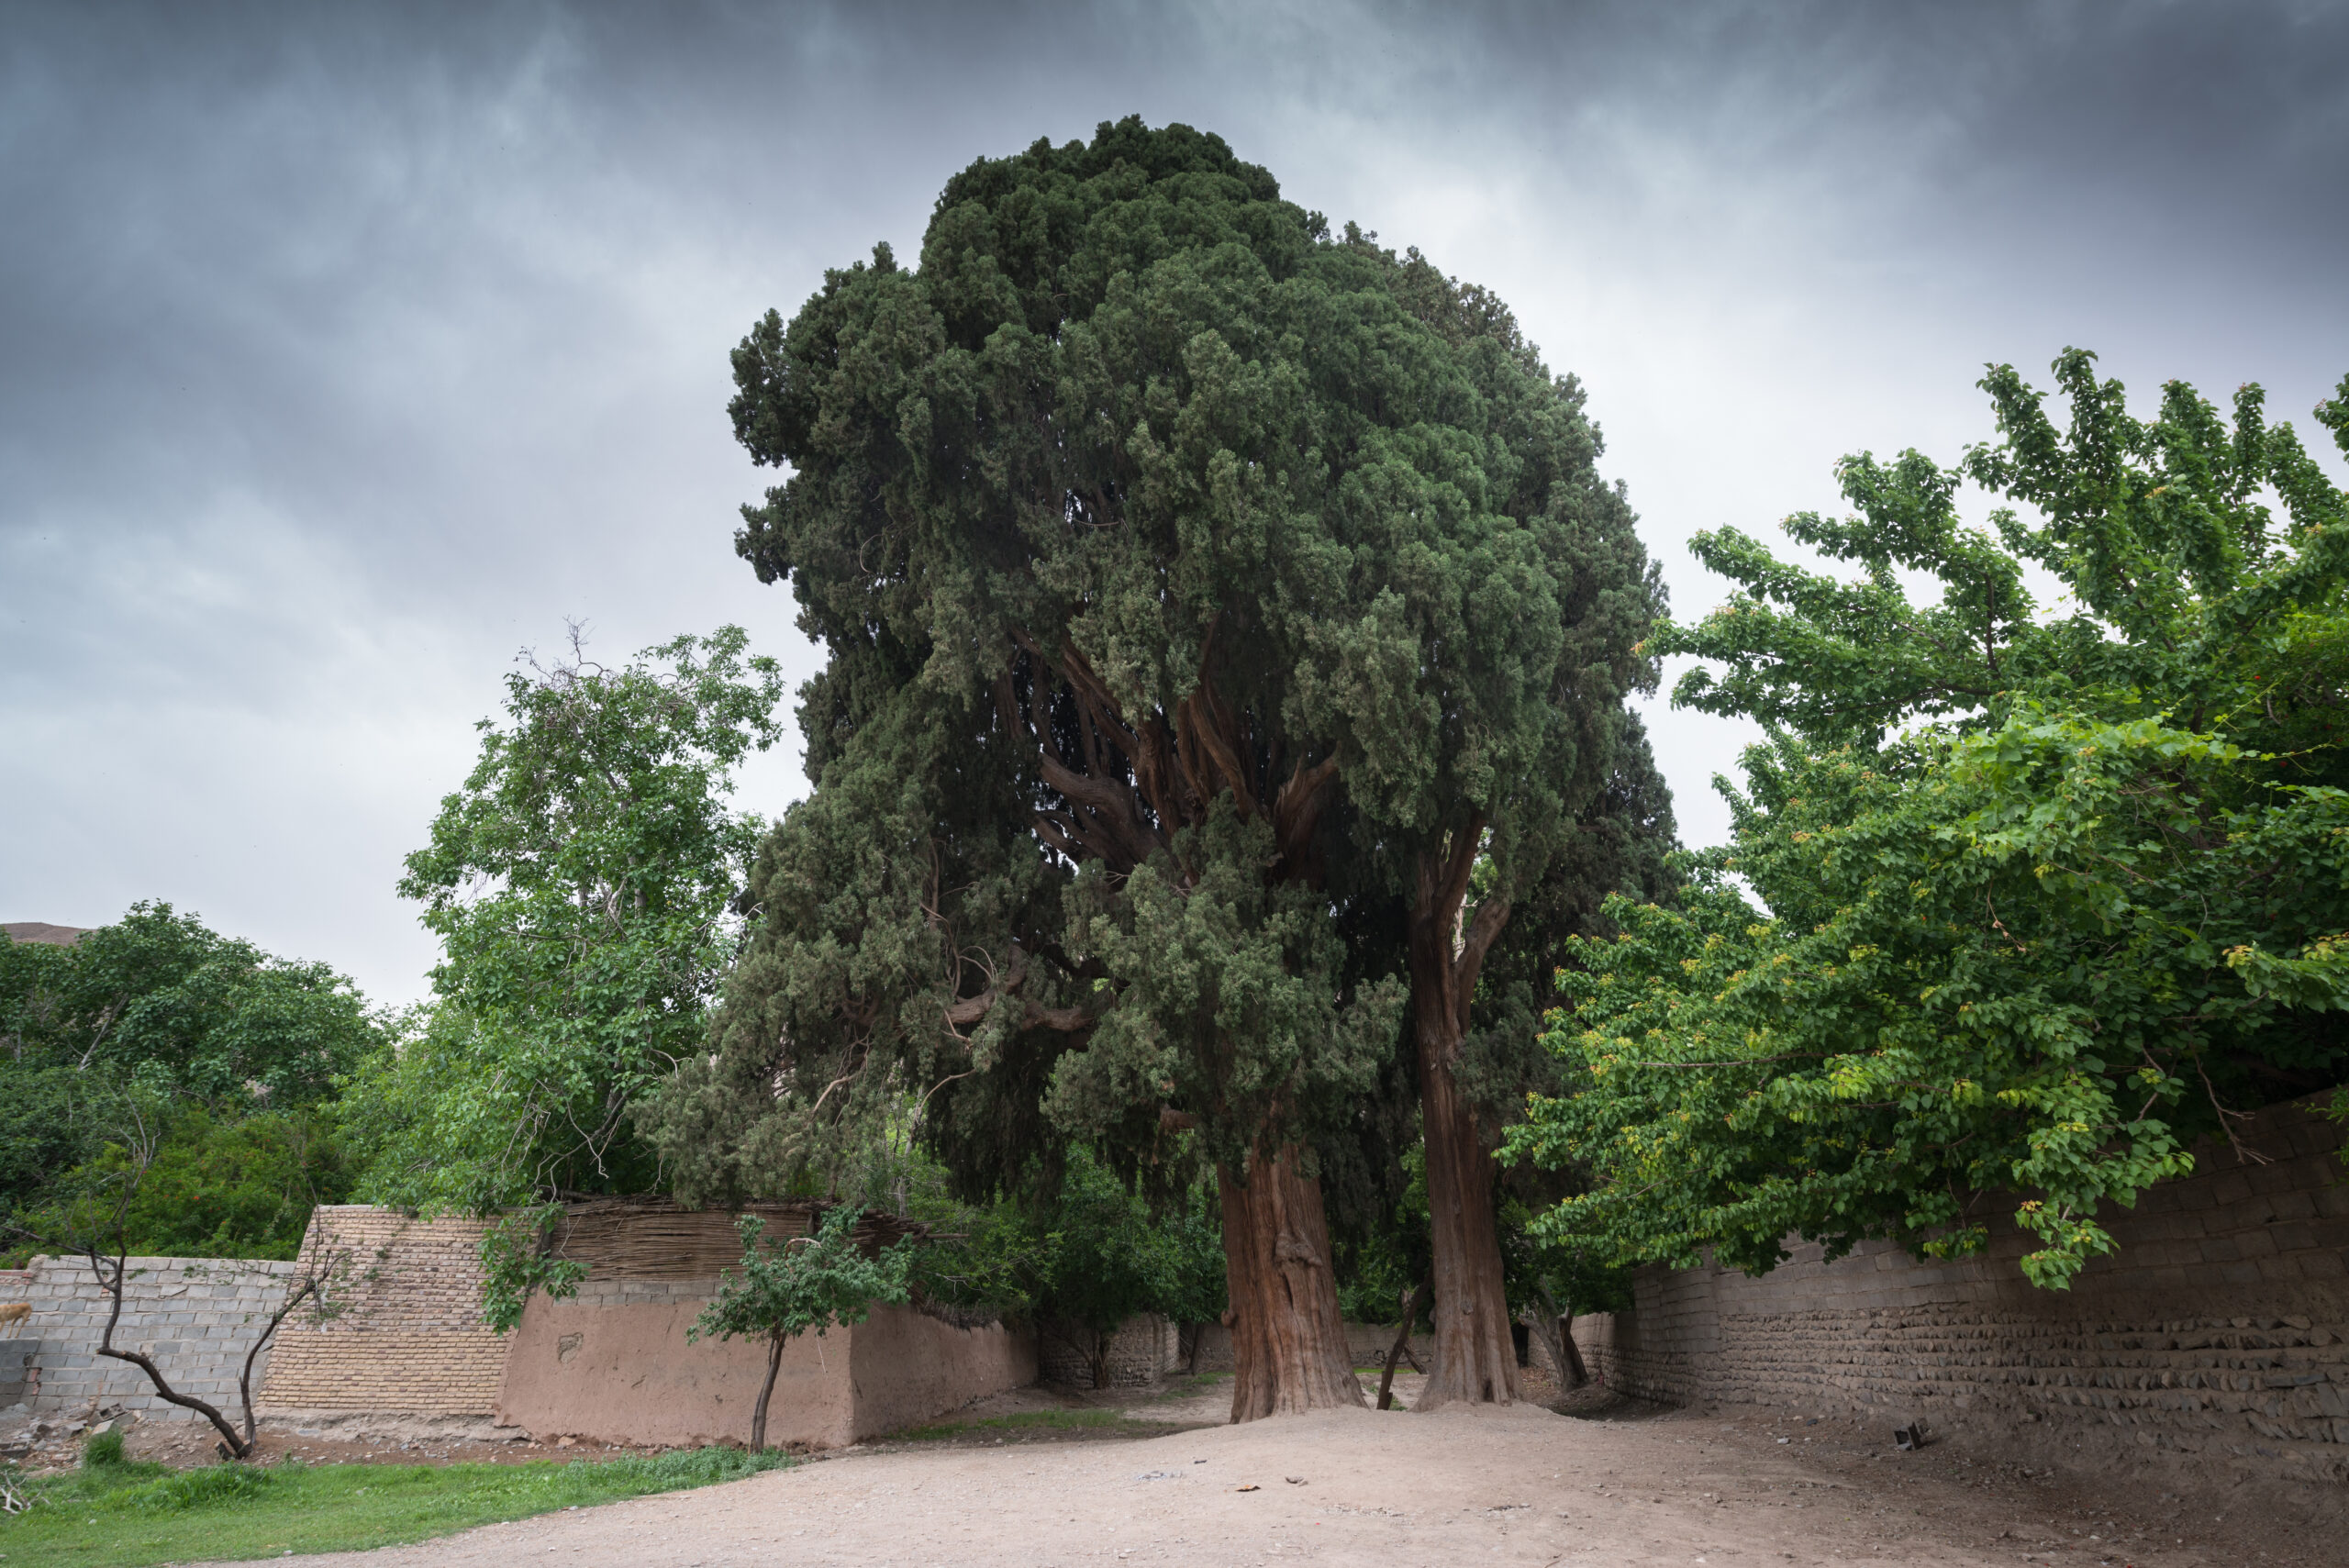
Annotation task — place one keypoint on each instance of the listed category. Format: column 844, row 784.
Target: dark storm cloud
column 345, row 351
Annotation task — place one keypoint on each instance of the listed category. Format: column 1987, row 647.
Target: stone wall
column 404, row 1336
column 614, row 1362
column 2219, row 1333
column 196, row 1317
column 400, row 1342
column 1366, row 1346
column 1145, row 1348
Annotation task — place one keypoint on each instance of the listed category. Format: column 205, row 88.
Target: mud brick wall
column 2216, row 1335
column 1144, row 1350
column 196, row 1317
column 614, row 1362
column 402, row 1334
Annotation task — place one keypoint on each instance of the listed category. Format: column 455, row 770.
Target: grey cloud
column 348, row 350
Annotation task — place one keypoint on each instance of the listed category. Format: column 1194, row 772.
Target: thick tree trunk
column 1475, row 1356
column 1288, row 1345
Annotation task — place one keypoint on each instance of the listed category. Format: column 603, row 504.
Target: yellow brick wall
column 387, row 1370
column 402, row 1333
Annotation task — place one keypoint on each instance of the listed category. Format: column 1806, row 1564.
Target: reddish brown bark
column 1475, row 1356
column 1288, row 1344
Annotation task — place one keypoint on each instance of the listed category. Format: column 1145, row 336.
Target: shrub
column 209, row 1487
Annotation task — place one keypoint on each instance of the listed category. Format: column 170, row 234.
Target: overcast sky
column 346, row 350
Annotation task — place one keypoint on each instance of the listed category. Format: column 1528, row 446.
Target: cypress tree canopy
column 1181, row 566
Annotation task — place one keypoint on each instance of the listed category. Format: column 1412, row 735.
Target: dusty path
column 1518, row 1487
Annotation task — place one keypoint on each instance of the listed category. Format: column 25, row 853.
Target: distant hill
column 42, row 932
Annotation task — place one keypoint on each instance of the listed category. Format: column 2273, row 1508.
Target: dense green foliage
column 1074, row 1245
column 131, row 1515
column 226, row 1049
column 192, row 1013
column 215, row 1187
column 1098, row 1255
column 1129, row 522
column 580, row 883
column 2049, row 891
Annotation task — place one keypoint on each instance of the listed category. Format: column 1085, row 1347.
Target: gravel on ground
column 1610, row 1483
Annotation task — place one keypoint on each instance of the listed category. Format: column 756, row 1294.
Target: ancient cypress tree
column 1476, row 710
column 1119, row 519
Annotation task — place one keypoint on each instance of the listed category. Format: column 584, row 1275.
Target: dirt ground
column 1609, row 1482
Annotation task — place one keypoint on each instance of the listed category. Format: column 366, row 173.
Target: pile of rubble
column 50, row 1441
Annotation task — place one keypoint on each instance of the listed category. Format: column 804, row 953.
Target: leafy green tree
column 212, row 1029
column 1193, row 1292
column 1470, row 673
column 223, row 1188
column 1102, row 1256
column 197, row 1014
column 1125, row 521
column 824, row 1280
column 580, row 884
column 2047, row 893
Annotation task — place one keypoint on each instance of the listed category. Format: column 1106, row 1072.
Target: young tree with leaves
column 828, row 1279
column 2049, row 891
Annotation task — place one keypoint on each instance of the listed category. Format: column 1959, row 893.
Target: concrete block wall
column 196, row 1317
column 404, row 1336
column 2218, row 1335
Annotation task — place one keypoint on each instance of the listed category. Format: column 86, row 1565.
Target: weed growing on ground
column 1196, row 1383
column 129, row 1515
column 1122, row 1423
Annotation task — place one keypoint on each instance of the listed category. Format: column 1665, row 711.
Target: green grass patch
column 128, row 1516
